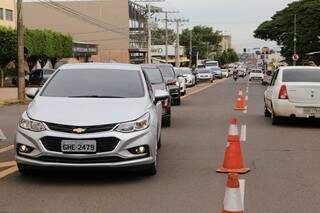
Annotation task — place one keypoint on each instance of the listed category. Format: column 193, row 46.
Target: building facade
column 8, row 13
column 104, row 23
column 225, row 42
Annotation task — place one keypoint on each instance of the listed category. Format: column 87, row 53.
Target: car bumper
column 285, row 108
column 118, row 157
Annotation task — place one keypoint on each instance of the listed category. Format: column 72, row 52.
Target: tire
column 267, row 114
column 275, row 120
column 25, row 170
column 166, row 122
column 177, row 102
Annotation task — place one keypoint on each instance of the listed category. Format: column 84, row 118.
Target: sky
column 237, row 17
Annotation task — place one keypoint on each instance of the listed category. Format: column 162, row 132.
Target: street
column 284, row 162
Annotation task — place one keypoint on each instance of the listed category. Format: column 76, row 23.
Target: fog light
column 139, row 150
column 23, row 148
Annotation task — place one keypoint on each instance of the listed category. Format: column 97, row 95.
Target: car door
column 270, row 90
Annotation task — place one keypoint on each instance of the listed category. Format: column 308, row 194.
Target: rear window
column 95, row 83
column 301, row 75
column 167, row 72
column 154, row 75
column 203, row 71
column 256, row 71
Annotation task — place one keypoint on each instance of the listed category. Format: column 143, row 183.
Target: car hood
column 86, row 111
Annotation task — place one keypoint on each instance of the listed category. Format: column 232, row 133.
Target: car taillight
column 283, row 94
column 165, row 103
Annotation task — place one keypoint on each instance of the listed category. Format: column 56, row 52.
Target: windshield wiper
column 94, row 96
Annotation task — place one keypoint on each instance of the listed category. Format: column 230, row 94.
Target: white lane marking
column 243, row 133
column 242, row 190
column 7, row 164
column 5, row 149
column 247, row 97
column 245, row 111
column 2, row 136
column 8, row 171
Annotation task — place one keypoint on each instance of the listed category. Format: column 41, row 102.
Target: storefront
column 83, row 51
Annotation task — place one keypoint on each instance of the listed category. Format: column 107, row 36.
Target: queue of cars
column 99, row 115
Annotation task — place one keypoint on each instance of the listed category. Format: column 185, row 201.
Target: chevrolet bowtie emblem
column 79, row 130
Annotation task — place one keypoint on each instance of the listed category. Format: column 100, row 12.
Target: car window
column 167, row 71
column 154, row 75
column 95, row 82
column 301, row 75
column 149, row 86
column 48, row 72
column 185, row 71
column 203, row 71
column 274, row 78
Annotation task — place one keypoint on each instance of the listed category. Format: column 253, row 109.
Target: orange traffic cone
column 240, row 104
column 232, row 199
column 233, row 162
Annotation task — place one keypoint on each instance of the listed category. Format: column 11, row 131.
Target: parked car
column 204, row 75
column 92, row 115
column 216, row 72
column 188, row 75
column 256, row 75
column 181, row 82
column 294, row 92
column 267, row 78
column 156, row 79
column 171, row 80
column 225, row 73
column 39, row 76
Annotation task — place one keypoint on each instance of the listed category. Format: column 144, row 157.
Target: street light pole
column 20, row 61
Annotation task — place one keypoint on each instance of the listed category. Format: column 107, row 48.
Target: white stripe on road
column 2, row 136
column 247, row 98
column 242, row 190
column 245, row 111
column 8, row 148
column 8, row 171
column 7, row 164
column 243, row 133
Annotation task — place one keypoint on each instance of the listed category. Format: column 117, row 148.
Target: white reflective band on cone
column 232, row 200
column 233, row 130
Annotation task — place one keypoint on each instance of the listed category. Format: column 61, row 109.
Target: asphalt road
column 284, row 162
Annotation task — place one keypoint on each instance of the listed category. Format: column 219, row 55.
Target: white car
column 204, row 75
column 181, row 83
column 294, row 92
column 256, row 75
column 187, row 74
column 225, row 73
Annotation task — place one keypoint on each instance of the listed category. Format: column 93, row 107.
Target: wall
column 8, row 4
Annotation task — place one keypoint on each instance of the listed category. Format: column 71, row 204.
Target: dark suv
column 157, row 81
column 39, row 77
column 171, row 81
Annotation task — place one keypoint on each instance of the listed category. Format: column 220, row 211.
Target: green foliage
column 281, row 29
column 228, row 56
column 39, row 45
column 159, row 36
column 204, row 40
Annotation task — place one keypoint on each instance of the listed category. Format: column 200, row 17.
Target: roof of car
column 117, row 66
column 298, row 67
column 149, row 65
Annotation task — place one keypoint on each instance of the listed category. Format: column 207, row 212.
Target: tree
column 8, row 46
column 159, row 36
column 228, row 56
column 281, row 29
column 204, row 39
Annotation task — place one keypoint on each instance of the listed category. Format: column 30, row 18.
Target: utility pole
column 167, row 35
column 190, row 51
column 20, row 35
column 295, row 39
column 149, row 24
column 178, row 24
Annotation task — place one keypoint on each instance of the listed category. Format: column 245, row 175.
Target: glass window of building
column 9, row 15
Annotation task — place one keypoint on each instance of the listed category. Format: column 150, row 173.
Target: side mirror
column 32, row 92
column 160, row 95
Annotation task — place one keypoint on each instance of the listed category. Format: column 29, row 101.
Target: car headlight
column 31, row 125
column 137, row 125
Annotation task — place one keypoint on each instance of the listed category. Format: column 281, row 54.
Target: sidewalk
column 8, row 94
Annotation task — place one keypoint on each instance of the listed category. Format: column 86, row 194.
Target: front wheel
column 177, row 102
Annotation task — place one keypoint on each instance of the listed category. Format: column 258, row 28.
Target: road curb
column 13, row 102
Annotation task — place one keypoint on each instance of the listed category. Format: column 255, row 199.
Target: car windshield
column 256, row 71
column 185, row 71
column 154, row 75
column 203, row 71
column 95, row 83
column 48, row 72
column 301, row 75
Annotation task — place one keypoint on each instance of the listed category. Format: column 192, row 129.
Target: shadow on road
column 81, row 177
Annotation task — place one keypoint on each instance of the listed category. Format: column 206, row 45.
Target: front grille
column 87, row 129
column 111, row 159
column 107, row 144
